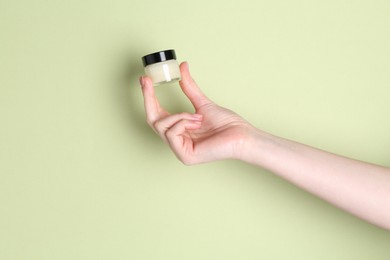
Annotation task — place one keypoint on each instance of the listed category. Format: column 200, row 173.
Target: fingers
column 175, row 130
column 162, row 126
column 190, row 88
column 181, row 142
column 152, row 107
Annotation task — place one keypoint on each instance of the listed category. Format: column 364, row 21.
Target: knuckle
column 184, row 115
column 160, row 128
column 157, row 125
column 149, row 122
column 184, row 159
column 170, row 134
column 187, row 161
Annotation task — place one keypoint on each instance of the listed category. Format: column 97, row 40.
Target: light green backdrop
column 83, row 177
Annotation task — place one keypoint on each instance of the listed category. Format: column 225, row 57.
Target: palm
column 220, row 135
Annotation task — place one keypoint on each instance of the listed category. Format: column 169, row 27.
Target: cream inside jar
column 161, row 67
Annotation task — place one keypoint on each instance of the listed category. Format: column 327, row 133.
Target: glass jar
column 162, row 67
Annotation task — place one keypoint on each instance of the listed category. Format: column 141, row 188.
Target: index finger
column 152, row 107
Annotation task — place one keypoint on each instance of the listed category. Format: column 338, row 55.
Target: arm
column 360, row 188
column 215, row 133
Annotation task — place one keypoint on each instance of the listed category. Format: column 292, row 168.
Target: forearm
column 360, row 188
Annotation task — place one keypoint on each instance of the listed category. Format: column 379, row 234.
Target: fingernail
column 141, row 81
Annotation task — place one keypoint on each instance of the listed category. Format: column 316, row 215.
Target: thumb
column 191, row 89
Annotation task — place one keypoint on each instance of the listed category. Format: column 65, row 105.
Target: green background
column 82, row 176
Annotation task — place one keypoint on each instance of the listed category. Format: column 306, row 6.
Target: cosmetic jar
column 161, row 67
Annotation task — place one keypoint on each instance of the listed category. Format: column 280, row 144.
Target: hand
column 211, row 133
column 214, row 133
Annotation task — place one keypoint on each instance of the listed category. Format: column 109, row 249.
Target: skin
column 216, row 133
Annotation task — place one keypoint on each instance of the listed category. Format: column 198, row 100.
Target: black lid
column 158, row 57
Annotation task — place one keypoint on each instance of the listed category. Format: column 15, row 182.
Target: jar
column 162, row 67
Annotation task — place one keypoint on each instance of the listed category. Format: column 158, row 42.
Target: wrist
column 254, row 146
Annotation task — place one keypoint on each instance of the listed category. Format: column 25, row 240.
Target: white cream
column 162, row 72
column 162, row 67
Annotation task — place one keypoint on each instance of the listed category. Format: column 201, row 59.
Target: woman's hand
column 214, row 133
column 211, row 133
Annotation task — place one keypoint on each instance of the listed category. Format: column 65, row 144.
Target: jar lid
column 158, row 57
